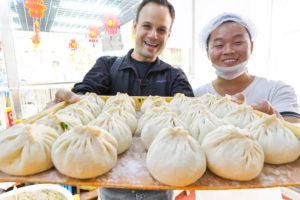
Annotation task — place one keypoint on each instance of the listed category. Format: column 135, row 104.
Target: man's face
column 229, row 45
column 152, row 32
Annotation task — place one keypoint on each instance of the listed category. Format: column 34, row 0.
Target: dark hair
column 159, row 2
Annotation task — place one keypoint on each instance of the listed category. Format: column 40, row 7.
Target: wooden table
column 131, row 172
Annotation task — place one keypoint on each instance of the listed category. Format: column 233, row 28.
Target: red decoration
column 36, row 8
column 73, row 44
column 112, row 25
column 93, row 35
column 36, row 37
column 186, row 195
column 36, row 27
column 36, row 40
column 9, row 117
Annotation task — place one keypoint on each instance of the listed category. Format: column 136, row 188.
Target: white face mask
column 229, row 73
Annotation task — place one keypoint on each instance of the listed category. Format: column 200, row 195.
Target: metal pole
column 193, row 47
column 10, row 56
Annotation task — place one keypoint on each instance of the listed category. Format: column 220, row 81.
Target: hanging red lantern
column 36, row 40
column 73, row 45
column 112, row 25
column 36, row 27
column 36, row 37
column 36, row 8
column 93, row 35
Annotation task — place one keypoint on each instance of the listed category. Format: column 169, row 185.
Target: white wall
column 276, row 48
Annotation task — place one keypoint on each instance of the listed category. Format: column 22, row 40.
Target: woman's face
column 229, row 45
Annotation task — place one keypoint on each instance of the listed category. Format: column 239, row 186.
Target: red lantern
column 112, row 25
column 73, row 44
column 36, row 27
column 35, row 40
column 36, row 37
column 36, row 8
column 93, row 35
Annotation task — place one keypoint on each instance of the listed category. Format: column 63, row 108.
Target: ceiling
column 73, row 16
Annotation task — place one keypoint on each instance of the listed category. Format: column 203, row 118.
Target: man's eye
column 219, row 46
column 162, row 30
column 146, row 26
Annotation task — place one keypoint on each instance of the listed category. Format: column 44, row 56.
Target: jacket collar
column 158, row 66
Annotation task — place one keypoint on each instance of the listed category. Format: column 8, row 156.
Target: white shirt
column 280, row 95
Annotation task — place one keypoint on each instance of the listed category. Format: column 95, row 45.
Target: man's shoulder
column 107, row 59
column 203, row 89
column 163, row 63
column 108, row 62
column 268, row 83
column 173, row 68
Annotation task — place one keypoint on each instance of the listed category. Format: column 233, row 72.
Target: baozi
column 223, row 106
column 152, row 101
column 232, row 154
column 117, row 128
column 120, row 104
column 175, row 158
column 121, row 96
column 59, row 122
column 178, row 100
column 208, row 100
column 203, row 124
column 153, row 127
column 26, row 149
column 127, row 117
column 85, row 152
column 279, row 143
column 241, row 116
column 152, row 114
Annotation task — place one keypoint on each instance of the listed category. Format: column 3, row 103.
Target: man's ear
column 134, row 24
column 207, row 53
column 251, row 46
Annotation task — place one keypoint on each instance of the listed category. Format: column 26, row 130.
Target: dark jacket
column 162, row 79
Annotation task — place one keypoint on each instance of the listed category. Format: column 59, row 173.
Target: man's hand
column 238, row 98
column 66, row 95
column 265, row 107
column 63, row 95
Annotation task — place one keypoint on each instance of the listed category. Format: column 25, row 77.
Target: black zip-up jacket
column 162, row 79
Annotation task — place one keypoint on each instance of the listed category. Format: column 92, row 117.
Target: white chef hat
column 222, row 18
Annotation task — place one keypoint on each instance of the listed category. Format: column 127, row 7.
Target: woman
column 228, row 40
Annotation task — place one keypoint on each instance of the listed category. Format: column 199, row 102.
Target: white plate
column 38, row 187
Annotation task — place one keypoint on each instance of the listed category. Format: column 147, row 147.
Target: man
column 139, row 73
column 228, row 40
